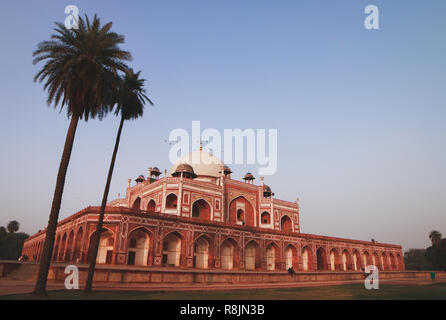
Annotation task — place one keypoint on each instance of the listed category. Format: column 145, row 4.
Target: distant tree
column 2, row 232
column 13, row 226
column 11, row 243
column 435, row 237
column 416, row 259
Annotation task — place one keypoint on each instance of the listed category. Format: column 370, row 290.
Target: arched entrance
column 307, row 261
column 171, row 203
column 77, row 245
column 201, row 210
column 151, row 206
column 138, row 247
column 202, row 253
column 346, row 261
column 137, row 204
column 105, row 249
column 272, row 256
column 229, row 254
column 241, row 212
column 334, row 260
column 172, row 250
column 321, row 259
column 56, row 248
column 265, row 218
column 290, row 257
column 252, row 256
column 356, row 260
column 62, row 248
column 366, row 259
column 286, row 224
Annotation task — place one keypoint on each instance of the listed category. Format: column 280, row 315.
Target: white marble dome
column 203, row 163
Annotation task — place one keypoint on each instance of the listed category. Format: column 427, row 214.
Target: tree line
column 431, row 258
column 11, row 241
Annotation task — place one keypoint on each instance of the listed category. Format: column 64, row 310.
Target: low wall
column 188, row 276
column 7, row 266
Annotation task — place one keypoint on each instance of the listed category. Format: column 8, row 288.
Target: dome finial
column 201, row 144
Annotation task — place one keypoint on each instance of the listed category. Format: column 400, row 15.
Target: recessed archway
column 346, row 260
column 229, row 254
column 172, row 245
column 291, row 257
column 252, row 256
column 137, row 204
column 77, row 245
column 307, row 259
column 265, row 218
column 334, row 260
column 272, row 256
column 321, row 258
column 286, row 224
column 151, row 206
column 202, row 253
column 62, row 248
column 56, row 249
column 138, row 247
column 201, row 210
column 356, row 260
column 171, row 203
column 241, row 212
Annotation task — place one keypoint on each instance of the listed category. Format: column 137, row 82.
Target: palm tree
column 13, row 226
column 130, row 100
column 435, row 237
column 78, row 71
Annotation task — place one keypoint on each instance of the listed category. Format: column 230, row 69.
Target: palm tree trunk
column 96, row 238
column 47, row 252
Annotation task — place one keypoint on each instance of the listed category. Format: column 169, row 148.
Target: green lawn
column 347, row 292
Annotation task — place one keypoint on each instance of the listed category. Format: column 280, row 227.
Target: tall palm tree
column 435, row 237
column 78, row 72
column 13, row 226
column 130, row 100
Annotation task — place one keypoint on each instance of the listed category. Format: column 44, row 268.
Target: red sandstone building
column 197, row 216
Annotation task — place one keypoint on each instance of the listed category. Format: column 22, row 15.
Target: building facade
column 197, row 216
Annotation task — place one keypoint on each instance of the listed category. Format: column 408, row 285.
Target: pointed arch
column 139, row 251
column 321, row 258
column 291, row 259
column 229, row 252
column 272, row 256
column 77, row 245
column 203, row 252
column 241, row 212
column 173, row 249
column 334, row 260
column 307, row 259
column 137, row 204
column 286, row 224
column 151, row 206
column 202, row 210
column 346, row 262
column 252, row 255
column 357, row 264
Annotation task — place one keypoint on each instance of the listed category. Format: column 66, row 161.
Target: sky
column 360, row 113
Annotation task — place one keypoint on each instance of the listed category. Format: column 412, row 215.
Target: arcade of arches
column 146, row 247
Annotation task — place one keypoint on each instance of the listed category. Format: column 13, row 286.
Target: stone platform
column 130, row 274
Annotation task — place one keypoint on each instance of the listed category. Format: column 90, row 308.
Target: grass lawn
column 344, row 292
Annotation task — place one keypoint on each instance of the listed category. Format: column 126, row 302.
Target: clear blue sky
column 360, row 114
